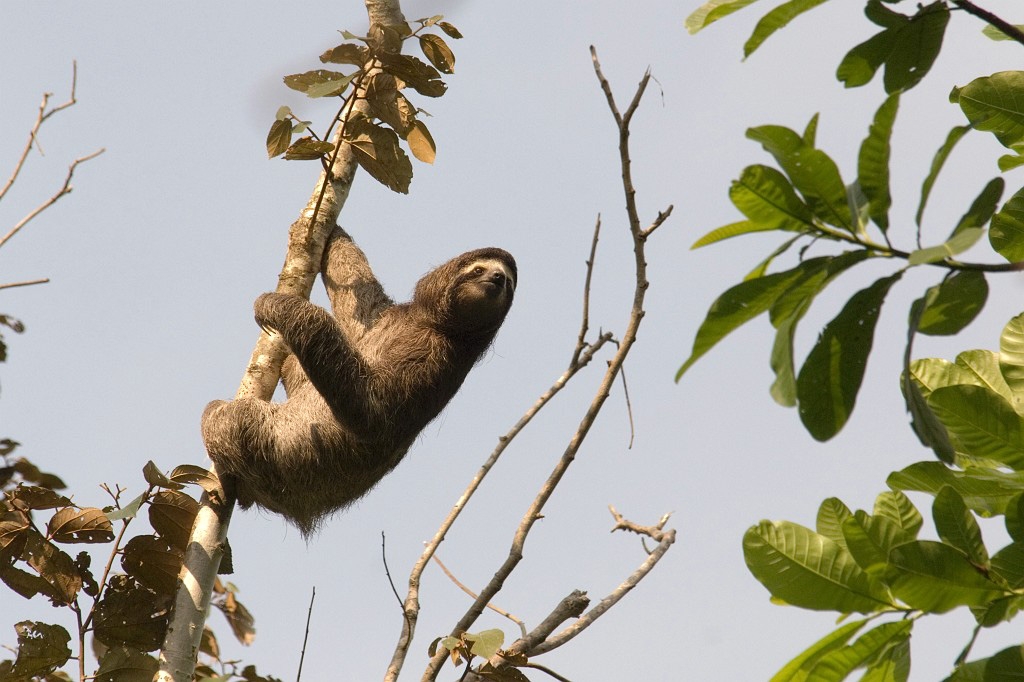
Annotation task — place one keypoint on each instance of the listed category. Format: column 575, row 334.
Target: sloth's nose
column 498, row 277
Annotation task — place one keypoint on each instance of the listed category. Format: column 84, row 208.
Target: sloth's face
column 485, row 290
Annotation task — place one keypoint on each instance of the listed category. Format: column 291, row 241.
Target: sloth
column 361, row 384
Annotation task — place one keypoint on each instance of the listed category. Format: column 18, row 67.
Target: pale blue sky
column 169, row 236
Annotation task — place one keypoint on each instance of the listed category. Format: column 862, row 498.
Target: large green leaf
column 766, row 197
column 986, row 492
column 740, row 304
column 897, row 507
column 786, row 314
column 812, row 172
column 731, row 230
column 957, row 526
column 873, row 162
column 712, row 11
column 981, row 423
column 995, row 104
column 957, row 301
column 805, row 569
column 870, row 539
column 892, row 666
column 936, row 578
column 983, row 206
column 937, row 163
column 869, row 648
column 1007, row 232
column 984, row 365
column 775, row 20
column 956, row 244
column 831, row 515
column 1008, row 563
column 908, row 47
column 830, row 378
column 797, row 669
column 1011, row 360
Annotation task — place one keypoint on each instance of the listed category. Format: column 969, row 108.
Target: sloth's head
column 472, row 292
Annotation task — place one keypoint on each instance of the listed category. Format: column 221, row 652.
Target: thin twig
column 26, row 283
column 581, row 340
column 387, row 571
column 1006, row 27
column 629, row 406
column 305, row 637
column 65, row 189
column 492, row 607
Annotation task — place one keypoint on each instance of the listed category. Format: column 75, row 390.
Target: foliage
column 381, row 74
column 970, row 412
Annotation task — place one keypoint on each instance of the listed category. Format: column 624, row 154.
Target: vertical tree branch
column 306, row 238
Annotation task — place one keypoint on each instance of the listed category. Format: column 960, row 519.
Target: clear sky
column 169, row 236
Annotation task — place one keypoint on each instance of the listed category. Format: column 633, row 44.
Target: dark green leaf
column 830, row 378
column 1015, row 518
column 1008, row 563
column 983, row 207
column 873, row 162
column 936, row 578
column 1007, row 232
column 775, row 20
column 916, row 46
column 940, row 159
column 766, row 197
column 956, row 303
column 808, row 570
column 957, row 526
column 981, row 423
column 738, row 305
column 811, row 171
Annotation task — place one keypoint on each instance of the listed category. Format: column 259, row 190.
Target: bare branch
column 65, row 189
column 26, row 283
column 534, row 512
column 305, row 637
column 581, row 341
column 492, row 607
column 988, row 17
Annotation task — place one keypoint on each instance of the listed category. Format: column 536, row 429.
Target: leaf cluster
column 380, row 79
column 806, row 196
column 126, row 612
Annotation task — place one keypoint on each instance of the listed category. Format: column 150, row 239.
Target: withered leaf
column 208, row 644
column 82, row 562
column 241, row 621
column 389, row 105
column 54, row 566
column 22, row 582
column 172, row 513
column 128, row 511
column 346, row 53
column 7, row 446
column 152, row 561
column 249, row 674
column 190, row 473
column 421, row 144
column 42, row 648
column 319, row 83
column 72, row 525
column 12, row 535
column 128, row 613
column 377, row 151
column 155, row 477
column 422, row 77
column 437, row 52
column 125, row 664
column 279, row 137
column 306, row 148
column 450, row 30
column 26, row 497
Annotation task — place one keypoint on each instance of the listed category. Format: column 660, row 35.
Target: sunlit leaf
column 956, row 244
column 936, row 578
column 766, row 197
column 831, row 515
column 775, row 20
column 897, row 507
column 731, row 230
column 421, row 144
column 987, row 494
column 873, row 162
column 712, row 11
column 319, row 83
column 995, row 104
column 1011, row 359
column 893, row 665
column 437, row 52
column 831, row 376
column 805, row 569
column 796, row 670
column 1007, row 232
column 869, row 647
column 981, row 423
column 957, row 526
column 279, row 137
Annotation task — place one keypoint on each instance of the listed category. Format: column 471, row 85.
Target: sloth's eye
column 478, row 270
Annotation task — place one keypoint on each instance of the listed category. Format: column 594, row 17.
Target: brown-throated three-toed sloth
column 361, row 384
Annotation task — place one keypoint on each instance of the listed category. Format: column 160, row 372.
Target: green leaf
column 808, row 570
column 985, row 366
column 796, row 670
column 897, row 507
column 1007, row 232
column 987, row 493
column 830, row 378
column 873, row 162
column 811, row 171
column 869, row 647
column 1011, row 360
column 731, row 230
column 981, row 423
column 712, row 11
column 766, row 197
column 869, row 540
column 956, row 303
column 790, row 308
column 957, row 244
column 994, row 33
column 738, row 305
column 941, row 155
column 936, row 578
column 1015, row 518
column 831, row 515
column 892, row 666
column 995, row 104
column 957, row 526
column 1008, row 563
column 1010, row 161
column 983, row 207
column 775, row 20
